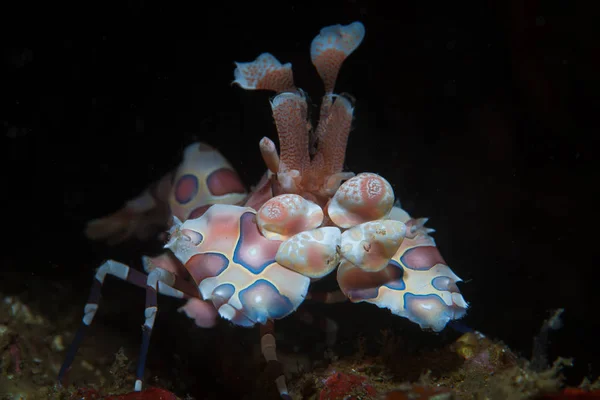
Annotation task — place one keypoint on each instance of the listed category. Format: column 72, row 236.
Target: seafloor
column 376, row 356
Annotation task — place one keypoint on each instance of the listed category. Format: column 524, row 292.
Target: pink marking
column 203, row 313
column 315, row 255
column 255, row 252
column 202, row 266
column 222, row 229
column 224, row 181
column 429, row 310
column 199, row 211
column 186, row 188
column 361, row 285
column 422, row 258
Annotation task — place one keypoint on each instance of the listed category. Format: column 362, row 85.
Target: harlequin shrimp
column 250, row 257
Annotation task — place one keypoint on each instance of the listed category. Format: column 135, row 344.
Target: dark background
column 482, row 115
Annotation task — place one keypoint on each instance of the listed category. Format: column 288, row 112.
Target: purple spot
column 429, row 311
column 398, row 282
column 186, row 188
column 360, row 285
column 421, row 258
column 222, row 293
column 224, row 181
column 262, row 301
column 199, row 211
column 254, row 251
column 444, row 283
column 206, row 265
column 226, row 290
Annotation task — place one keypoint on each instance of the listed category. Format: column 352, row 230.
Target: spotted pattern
column 430, row 310
column 416, row 284
column 222, row 294
column 421, row 258
column 331, row 47
column 445, row 283
column 202, row 266
column 203, row 178
column 253, row 250
column 264, row 302
column 186, row 188
column 363, row 198
column 224, row 181
column 266, row 72
column 235, row 267
column 363, row 285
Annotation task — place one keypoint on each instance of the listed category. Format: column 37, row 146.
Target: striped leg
column 169, row 263
column 158, row 281
column 154, row 282
column 269, row 351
